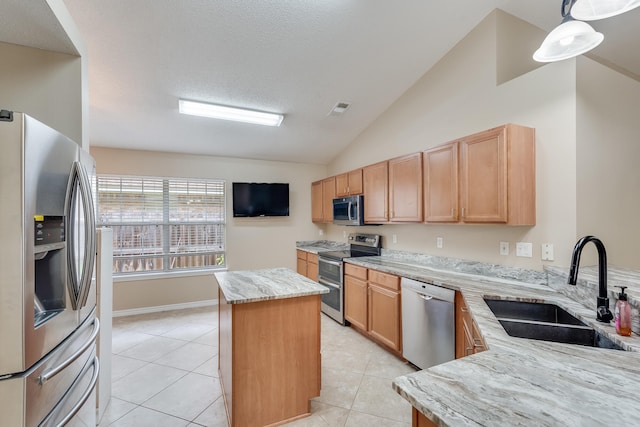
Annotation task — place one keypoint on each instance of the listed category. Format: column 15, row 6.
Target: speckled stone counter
column 261, row 285
column 316, row 246
column 519, row 381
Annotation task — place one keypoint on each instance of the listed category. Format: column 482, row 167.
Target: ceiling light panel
column 225, row 112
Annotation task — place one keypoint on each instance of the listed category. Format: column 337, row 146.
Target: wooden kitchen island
column 268, row 345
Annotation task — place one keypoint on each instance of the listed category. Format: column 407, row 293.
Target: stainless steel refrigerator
column 48, row 327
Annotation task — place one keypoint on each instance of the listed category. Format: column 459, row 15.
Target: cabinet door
column 483, row 176
column 312, row 267
column 384, row 316
column 440, row 170
column 316, row 201
column 376, row 190
column 355, row 182
column 355, row 302
column 328, row 194
column 301, row 266
column 405, row 188
column 342, row 185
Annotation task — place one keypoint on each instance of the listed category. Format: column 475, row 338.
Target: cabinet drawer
column 312, row 258
column 384, row 279
column 355, row 271
column 302, row 254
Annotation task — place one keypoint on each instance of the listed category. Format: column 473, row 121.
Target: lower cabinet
column 468, row 338
column 372, row 305
column 419, row 420
column 307, row 264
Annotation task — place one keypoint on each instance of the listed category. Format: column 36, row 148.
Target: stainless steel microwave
column 348, row 210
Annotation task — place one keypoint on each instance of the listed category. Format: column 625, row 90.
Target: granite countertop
column 519, row 381
column 261, row 285
column 317, row 246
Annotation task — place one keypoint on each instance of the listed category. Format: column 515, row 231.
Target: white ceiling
column 297, row 57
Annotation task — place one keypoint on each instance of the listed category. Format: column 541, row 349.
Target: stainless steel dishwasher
column 428, row 323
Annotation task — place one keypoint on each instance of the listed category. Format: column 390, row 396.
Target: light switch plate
column 524, row 249
column 504, row 248
column 394, row 238
column 547, row 252
column 439, row 242
column 320, row 232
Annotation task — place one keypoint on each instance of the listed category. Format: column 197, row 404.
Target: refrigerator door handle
column 55, row 371
column 83, row 399
column 80, row 281
column 90, row 233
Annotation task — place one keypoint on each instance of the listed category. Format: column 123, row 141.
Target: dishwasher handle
column 425, row 297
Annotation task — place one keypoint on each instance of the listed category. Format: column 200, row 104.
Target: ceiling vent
column 339, row 108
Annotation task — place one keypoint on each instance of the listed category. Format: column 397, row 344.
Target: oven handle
column 331, row 285
column 336, row 263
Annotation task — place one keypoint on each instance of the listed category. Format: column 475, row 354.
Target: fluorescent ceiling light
column 590, row 10
column 569, row 39
column 229, row 113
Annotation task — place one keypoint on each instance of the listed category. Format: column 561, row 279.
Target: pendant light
column 570, row 38
column 590, row 10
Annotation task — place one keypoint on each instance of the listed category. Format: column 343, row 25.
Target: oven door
column 332, row 303
column 329, row 270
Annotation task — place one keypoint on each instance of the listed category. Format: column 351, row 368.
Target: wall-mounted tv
column 260, row 199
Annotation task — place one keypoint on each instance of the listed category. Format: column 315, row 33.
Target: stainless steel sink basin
column 546, row 322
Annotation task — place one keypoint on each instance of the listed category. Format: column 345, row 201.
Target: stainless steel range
column 330, row 271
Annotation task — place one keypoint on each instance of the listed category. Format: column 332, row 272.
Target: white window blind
column 163, row 224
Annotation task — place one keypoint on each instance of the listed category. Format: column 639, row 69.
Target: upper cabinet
column 349, row 183
column 376, row 193
column 497, row 176
column 405, row 188
column 441, row 183
column 322, row 195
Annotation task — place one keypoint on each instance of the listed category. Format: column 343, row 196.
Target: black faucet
column 603, row 314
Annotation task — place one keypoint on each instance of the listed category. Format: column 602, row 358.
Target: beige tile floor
column 164, row 373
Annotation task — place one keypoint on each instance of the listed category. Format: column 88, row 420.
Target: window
column 163, row 224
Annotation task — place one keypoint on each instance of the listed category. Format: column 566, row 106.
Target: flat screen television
column 260, row 199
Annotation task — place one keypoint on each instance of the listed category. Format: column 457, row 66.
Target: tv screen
column 260, row 199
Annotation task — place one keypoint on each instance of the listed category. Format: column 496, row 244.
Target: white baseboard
column 145, row 310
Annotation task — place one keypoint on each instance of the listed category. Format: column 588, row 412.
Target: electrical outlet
column 524, row 249
column 344, row 233
column 439, row 242
column 547, row 252
column 320, row 232
column 504, row 248
column 394, row 238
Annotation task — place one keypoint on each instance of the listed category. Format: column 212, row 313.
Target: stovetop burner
column 360, row 245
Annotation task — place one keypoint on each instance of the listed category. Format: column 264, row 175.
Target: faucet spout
column 603, row 313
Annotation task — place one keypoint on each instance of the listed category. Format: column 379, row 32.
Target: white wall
column 46, row 85
column 251, row 243
column 459, row 96
column 608, row 152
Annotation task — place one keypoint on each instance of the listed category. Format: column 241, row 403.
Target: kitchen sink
column 546, row 322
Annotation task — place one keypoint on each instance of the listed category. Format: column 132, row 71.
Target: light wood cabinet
column 307, row 264
column 497, row 176
column 468, row 338
column 376, row 193
column 316, row 202
column 440, row 172
column 405, row 188
column 355, row 301
column 419, row 420
column 328, row 194
column 372, row 305
column 322, row 194
column 269, row 360
column 349, row 183
column 301, row 262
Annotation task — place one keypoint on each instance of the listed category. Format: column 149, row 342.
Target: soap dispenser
column 623, row 314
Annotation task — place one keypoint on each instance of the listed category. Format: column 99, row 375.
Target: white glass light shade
column 569, row 39
column 229, row 113
column 590, row 10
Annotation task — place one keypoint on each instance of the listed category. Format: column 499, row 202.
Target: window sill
column 165, row 275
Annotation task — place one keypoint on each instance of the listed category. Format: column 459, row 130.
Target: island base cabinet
column 269, row 359
column 419, row 420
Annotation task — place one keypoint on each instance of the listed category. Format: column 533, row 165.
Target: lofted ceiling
column 297, row 57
